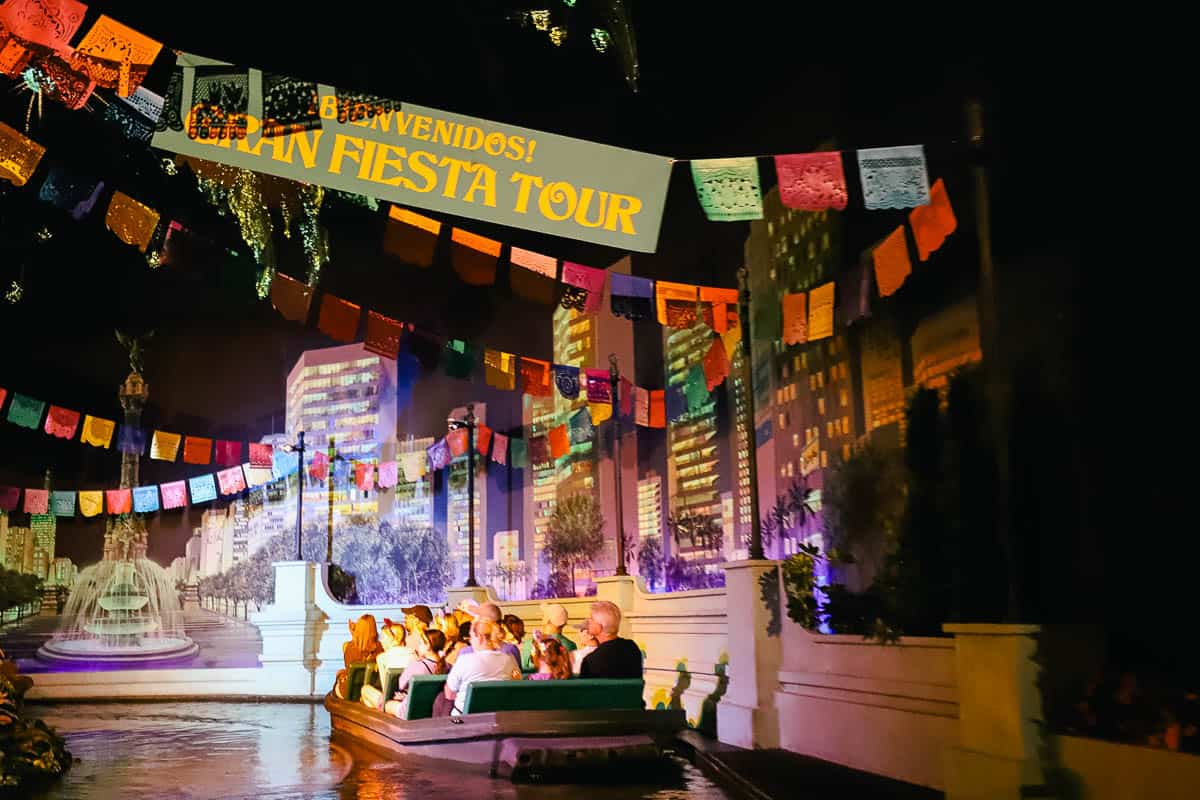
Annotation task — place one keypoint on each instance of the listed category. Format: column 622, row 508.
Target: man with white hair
column 613, row 657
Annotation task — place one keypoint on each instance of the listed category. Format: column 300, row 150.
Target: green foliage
column 863, row 500
column 699, row 530
column 650, row 561
column 800, row 584
column 575, row 534
column 17, row 589
column 31, row 753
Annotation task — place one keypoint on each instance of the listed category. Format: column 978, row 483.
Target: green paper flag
column 696, row 388
column 458, row 359
column 25, row 411
column 62, row 504
column 517, row 458
column 728, row 188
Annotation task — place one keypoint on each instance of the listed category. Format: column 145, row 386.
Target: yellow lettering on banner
column 402, row 122
column 442, row 131
column 382, row 121
column 364, row 168
column 422, row 163
column 341, row 151
column 622, row 208
column 253, row 126
column 485, row 179
column 473, row 139
column 421, row 128
column 308, row 148
column 328, row 109
column 585, row 199
column 516, row 148
column 493, row 145
column 526, row 182
column 384, row 160
column 557, row 192
column 456, row 166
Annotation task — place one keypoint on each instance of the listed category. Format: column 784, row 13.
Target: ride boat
column 515, row 729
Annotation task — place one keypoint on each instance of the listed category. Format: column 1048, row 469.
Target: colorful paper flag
column 535, row 377
column 589, row 283
column 61, row 422
column 290, row 297
column 500, row 448
column 364, row 477
column 483, row 438
column 110, row 41
column 566, row 378
column 410, row 237
column 560, row 442
column 197, row 450
column 893, row 177
column 174, row 495
column 339, row 318
column 500, row 369
column 931, row 224
column 892, row 265
column 25, row 411
column 387, row 474
column 228, row 453
column 696, row 388
column 795, row 318
column 601, row 412
column 728, row 188
column 203, row 488
column 518, row 457
column 319, row 468
column 820, row 312
column 383, row 335
column 631, row 297
column 19, row 155
column 716, row 365
column 257, row 476
column 145, row 499
column 439, row 455
column 474, row 257
column 539, row 451
column 414, row 465
column 231, row 480
column 812, row 181
column 131, row 440
column 50, row 23
column 598, row 388
column 98, row 431
column 625, row 393
column 37, row 501
column 533, row 276
column 262, row 455
column 673, row 292
column 658, row 411
column 118, row 501
column 720, row 306
column 130, row 221
column 165, row 446
column 62, row 504
column 641, row 406
column 456, row 440
column 9, row 496
column 91, row 503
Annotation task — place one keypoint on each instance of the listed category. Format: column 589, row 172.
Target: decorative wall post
column 747, row 716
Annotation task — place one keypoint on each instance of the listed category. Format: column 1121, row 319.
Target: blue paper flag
column 204, row 488
column 145, row 499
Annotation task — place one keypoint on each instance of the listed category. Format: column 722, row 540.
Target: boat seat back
column 577, row 694
column 357, row 676
column 422, row 690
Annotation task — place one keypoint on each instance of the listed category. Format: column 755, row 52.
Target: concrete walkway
column 783, row 775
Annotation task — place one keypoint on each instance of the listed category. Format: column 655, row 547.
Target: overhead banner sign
column 415, row 156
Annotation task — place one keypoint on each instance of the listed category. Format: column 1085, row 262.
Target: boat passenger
column 485, row 662
column 396, row 655
column 588, row 645
column 429, row 661
column 363, row 646
column 614, row 657
column 554, row 619
column 552, row 659
column 461, row 643
column 491, row 612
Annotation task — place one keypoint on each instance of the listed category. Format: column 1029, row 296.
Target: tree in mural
column 650, row 561
column 575, row 535
column 699, row 530
column 802, row 504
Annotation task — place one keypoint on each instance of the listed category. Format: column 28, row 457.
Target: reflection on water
column 273, row 751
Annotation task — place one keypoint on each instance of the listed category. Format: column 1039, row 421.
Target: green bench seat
column 577, row 694
column 360, row 674
column 422, row 689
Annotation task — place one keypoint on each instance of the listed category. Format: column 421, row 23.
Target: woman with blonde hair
column 396, row 656
column 363, row 646
column 485, row 662
column 429, row 661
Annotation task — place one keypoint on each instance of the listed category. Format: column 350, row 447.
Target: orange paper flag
column 411, row 237
column 339, row 318
column 658, row 408
column 474, row 257
column 931, row 224
column 892, row 265
column 795, row 318
column 664, row 291
column 120, row 56
column 132, row 222
column 197, row 450
column 560, row 441
column 19, row 156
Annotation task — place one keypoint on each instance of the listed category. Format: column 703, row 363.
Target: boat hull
column 515, row 744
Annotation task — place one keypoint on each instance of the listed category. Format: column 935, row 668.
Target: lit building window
column 844, row 398
column 824, row 459
column 845, row 424
column 812, row 382
column 795, row 440
column 825, row 241
column 821, row 405
column 791, row 471
column 782, row 421
column 845, row 452
column 829, row 429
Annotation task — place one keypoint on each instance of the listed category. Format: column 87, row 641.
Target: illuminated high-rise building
column 693, row 446
column 650, row 505
column 944, row 342
column 541, row 487
column 348, row 394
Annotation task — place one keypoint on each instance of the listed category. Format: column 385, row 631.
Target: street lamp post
column 469, row 423
column 299, row 448
column 329, row 483
column 756, row 547
column 614, row 377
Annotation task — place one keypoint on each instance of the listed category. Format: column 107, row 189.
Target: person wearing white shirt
column 485, row 662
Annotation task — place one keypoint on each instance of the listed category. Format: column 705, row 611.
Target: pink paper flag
column 811, row 181
column 387, row 474
column 590, row 280
column 642, row 407
column 231, row 480
column 174, row 495
column 37, row 501
column 261, row 455
column 500, row 448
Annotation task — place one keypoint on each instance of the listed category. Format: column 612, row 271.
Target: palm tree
column 779, row 518
column 802, row 502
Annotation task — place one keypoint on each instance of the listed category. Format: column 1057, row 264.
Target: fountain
column 124, row 610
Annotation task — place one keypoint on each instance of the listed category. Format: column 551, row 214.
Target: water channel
column 273, row 751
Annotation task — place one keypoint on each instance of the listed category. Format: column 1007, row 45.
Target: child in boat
column 363, row 646
column 588, row 644
column 485, row 662
column 396, row 655
column 550, row 658
column 429, row 661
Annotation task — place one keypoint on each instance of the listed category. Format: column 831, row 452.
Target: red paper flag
column 811, row 181
column 319, row 468
column 560, row 441
column 119, row 501
column 716, row 364
column 230, row 453
column 197, row 450
column 456, row 440
column 364, row 476
column 535, row 375
column 339, row 318
column 261, row 455
column 60, row 422
column 658, row 408
column 483, row 437
column 931, row 224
